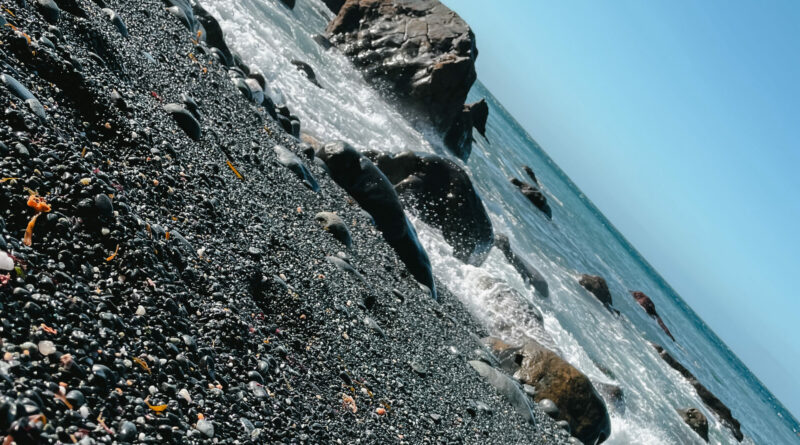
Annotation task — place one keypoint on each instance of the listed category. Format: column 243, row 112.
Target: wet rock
column 307, row 70
column 529, row 273
column 598, row 287
column 116, row 20
column 332, row 223
column 421, row 55
column 185, row 120
column 650, row 308
column 507, row 387
column 549, row 408
column 374, row 193
column 214, row 36
column 296, row 166
column 76, row 398
column 531, row 174
column 127, row 431
column 459, row 137
column 49, row 10
column 19, row 90
column 443, row 196
column 508, row 313
column 696, row 421
column 334, row 5
column 534, row 195
column 614, row 395
column 103, row 207
column 555, row 379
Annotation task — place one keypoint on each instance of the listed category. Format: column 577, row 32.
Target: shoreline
column 220, row 300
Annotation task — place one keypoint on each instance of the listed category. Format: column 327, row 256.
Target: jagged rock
column 420, row 55
column 696, row 421
column 647, row 304
column 555, row 379
column 372, row 190
column 459, row 137
column 706, row 396
column 534, row 195
column 598, row 287
column 442, row 195
column 525, row 269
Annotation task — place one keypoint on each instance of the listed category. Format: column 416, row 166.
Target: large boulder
column 696, row 421
column 554, row 379
column 598, row 287
column 419, row 54
column 650, row 308
column 716, row 405
column 372, row 190
column 529, row 273
column 442, row 195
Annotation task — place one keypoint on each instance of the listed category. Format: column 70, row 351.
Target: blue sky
column 681, row 121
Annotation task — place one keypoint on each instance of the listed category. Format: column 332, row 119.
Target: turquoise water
column 609, row 349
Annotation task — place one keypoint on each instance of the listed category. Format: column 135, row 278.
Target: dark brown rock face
column 555, row 379
column 597, row 286
column 647, row 304
column 696, row 421
column 420, row 55
column 442, row 194
column 706, row 396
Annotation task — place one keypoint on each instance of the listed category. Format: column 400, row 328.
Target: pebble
column 548, row 407
column 205, row 427
column 46, row 347
column 185, row 120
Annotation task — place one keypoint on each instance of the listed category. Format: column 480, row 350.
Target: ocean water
column 579, row 239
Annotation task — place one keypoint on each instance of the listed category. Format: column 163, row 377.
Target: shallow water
column 579, row 239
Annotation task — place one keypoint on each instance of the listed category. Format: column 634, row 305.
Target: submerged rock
column 529, row 273
column 374, row 193
column 307, row 70
column 442, row 194
column 598, row 287
column 569, row 389
column 696, row 421
column 420, row 55
column 650, row 308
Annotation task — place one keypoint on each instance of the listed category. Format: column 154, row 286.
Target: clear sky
column 680, row 120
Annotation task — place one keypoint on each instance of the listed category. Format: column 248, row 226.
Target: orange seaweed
column 28, row 239
column 142, row 363
column 113, row 255
column 156, row 408
column 236, row 172
column 38, row 203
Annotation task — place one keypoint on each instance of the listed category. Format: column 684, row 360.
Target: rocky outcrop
column 696, row 421
column 529, row 273
column 420, row 55
column 372, row 190
column 554, row 379
column 716, row 405
column 650, row 308
column 598, row 287
column 534, row 195
column 459, row 137
column 442, row 195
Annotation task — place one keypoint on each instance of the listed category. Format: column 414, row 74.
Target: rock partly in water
column 531, row 174
column 706, row 396
column 332, row 223
column 555, row 379
column 420, row 55
column 650, row 308
column 307, row 70
column 696, row 421
column 508, row 313
column 534, row 195
column 214, row 37
column 442, row 195
column 529, row 273
column 598, row 287
column 459, row 135
column 373, row 191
